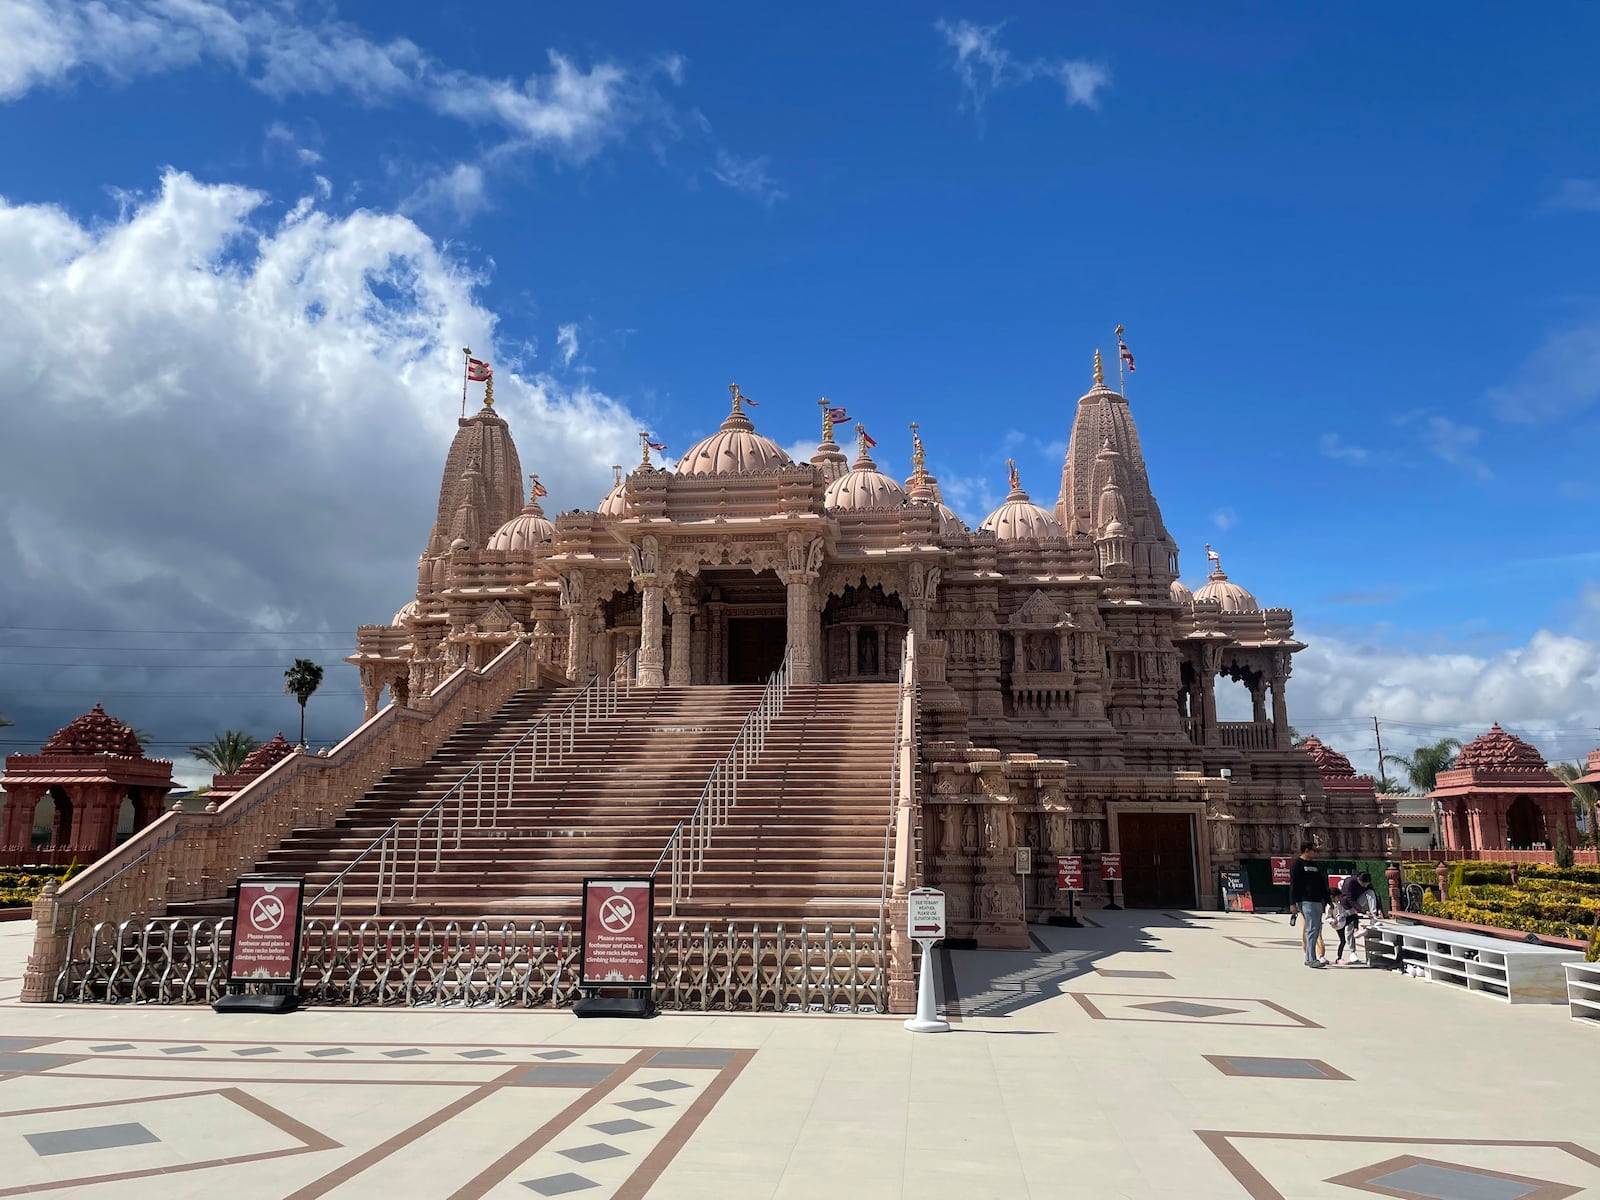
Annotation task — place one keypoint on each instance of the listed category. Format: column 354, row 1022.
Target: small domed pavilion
column 1502, row 795
column 67, row 801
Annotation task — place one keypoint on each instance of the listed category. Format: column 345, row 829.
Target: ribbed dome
column 96, row 732
column 1019, row 518
column 616, row 502
column 863, row 486
column 735, row 449
column 406, row 612
column 1180, row 593
column 1225, row 592
column 528, row 530
column 1498, row 750
column 950, row 525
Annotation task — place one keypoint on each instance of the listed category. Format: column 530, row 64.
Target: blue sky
column 1354, row 251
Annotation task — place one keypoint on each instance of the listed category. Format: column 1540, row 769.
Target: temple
column 1500, row 794
column 1068, row 680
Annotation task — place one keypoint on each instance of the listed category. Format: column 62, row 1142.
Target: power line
column 184, row 632
column 90, row 688
column 154, row 666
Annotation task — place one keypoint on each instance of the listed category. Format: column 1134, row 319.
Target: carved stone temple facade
column 1068, row 680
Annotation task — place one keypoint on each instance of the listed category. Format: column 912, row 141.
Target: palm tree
column 1423, row 767
column 1584, row 795
column 300, row 681
column 226, row 751
column 4, row 720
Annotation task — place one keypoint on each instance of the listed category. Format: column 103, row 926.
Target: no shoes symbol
column 266, row 914
column 616, row 914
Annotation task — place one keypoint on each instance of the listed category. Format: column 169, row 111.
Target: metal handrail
column 905, row 720
column 597, row 700
column 691, row 837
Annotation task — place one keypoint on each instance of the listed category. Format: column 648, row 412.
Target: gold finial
column 827, row 420
column 738, row 397
column 644, row 447
column 616, row 474
column 1099, row 371
column 488, row 392
column 1016, row 480
column 919, row 460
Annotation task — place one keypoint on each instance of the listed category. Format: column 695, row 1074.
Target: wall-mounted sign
column 618, row 916
column 266, row 929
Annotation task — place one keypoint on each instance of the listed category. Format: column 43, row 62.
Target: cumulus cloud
column 459, row 191
column 567, row 343
column 235, row 423
column 984, row 66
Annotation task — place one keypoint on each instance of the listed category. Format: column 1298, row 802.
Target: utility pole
column 1383, row 776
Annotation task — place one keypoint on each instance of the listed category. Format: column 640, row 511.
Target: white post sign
column 926, row 924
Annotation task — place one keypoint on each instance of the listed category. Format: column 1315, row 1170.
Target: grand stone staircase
column 805, row 841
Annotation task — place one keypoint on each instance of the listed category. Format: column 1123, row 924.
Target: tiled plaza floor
column 1157, row 1055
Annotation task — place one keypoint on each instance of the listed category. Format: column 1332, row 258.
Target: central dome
column 1019, row 518
column 530, row 529
column 863, row 486
column 1232, row 597
column 735, row 449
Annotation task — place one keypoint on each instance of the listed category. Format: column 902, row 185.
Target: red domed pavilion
column 77, row 787
column 1502, row 795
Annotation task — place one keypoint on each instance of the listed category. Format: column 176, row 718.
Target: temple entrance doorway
column 52, row 820
column 863, row 633
column 747, row 625
column 1524, row 825
column 1157, row 859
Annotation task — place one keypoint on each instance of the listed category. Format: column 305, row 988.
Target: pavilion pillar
column 21, row 800
column 1281, row 666
column 1258, row 702
column 799, row 625
column 853, row 663
column 1208, row 706
column 682, row 642
column 371, row 689
column 651, row 673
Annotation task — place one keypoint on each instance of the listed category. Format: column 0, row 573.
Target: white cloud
column 238, row 423
column 1560, row 378
column 1455, row 444
column 567, row 343
column 1575, row 195
column 985, row 67
column 1545, row 690
column 1224, row 519
column 459, row 191
column 1333, row 446
column 750, row 176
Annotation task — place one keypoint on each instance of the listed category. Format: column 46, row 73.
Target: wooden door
column 1157, row 860
column 755, row 648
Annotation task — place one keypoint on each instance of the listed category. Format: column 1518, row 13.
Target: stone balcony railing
column 1235, row 735
column 197, row 856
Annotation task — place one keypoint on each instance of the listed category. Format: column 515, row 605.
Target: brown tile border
column 1362, row 1180
column 312, row 1140
column 1088, row 1006
column 1221, row 1062
column 638, row 1184
column 1257, row 1187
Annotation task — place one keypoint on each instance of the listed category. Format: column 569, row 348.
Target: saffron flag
column 478, row 371
column 868, row 440
column 661, row 446
column 1127, row 355
column 750, row 402
column 539, row 490
column 838, row 415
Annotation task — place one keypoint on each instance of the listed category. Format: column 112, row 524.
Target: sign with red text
column 925, row 914
column 1111, row 865
column 618, row 915
column 266, row 929
column 1069, row 873
column 1281, row 872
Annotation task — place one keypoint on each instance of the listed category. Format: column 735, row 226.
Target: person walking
column 1308, row 898
column 1357, row 898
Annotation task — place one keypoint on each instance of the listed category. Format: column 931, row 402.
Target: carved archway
column 863, row 632
column 1525, row 824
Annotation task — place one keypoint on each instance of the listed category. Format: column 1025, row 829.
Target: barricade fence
column 501, row 964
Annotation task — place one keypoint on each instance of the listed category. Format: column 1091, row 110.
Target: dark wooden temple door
column 1157, row 860
column 755, row 647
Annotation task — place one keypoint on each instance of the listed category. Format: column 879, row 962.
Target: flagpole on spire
column 644, row 447
column 1122, row 381
column 827, row 420
column 466, row 365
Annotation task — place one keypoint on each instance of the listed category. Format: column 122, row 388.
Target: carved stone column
column 371, row 689
column 1281, row 666
column 1210, row 661
column 799, row 574
column 579, row 635
column 682, row 641
column 651, row 673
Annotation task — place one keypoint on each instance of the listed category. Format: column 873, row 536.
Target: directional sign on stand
column 1110, row 865
column 1069, row 873
column 926, row 914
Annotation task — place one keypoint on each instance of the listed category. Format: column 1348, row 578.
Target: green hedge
column 21, row 885
column 1475, row 914
column 1549, row 900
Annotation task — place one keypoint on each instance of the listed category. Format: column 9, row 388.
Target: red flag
column 750, row 402
column 838, row 416
column 1127, row 355
column 867, row 439
column 478, row 371
column 661, row 446
column 539, row 490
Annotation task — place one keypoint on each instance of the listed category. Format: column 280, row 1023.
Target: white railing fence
column 685, row 851
column 476, row 800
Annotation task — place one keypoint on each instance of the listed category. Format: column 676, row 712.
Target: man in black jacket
column 1308, row 896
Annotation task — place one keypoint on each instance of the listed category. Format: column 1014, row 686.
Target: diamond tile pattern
column 663, row 1085
column 559, row 1185
column 1437, row 1182
column 411, row 1053
column 643, row 1104
column 692, row 1058
column 592, row 1153
column 625, row 1125
column 28, row 1063
column 552, row 1055
column 480, row 1054
column 250, row 1051
column 1276, row 1068
column 330, row 1051
column 93, row 1137
column 118, row 1046
column 562, row 1075
column 1183, row 1008
column 183, row 1049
